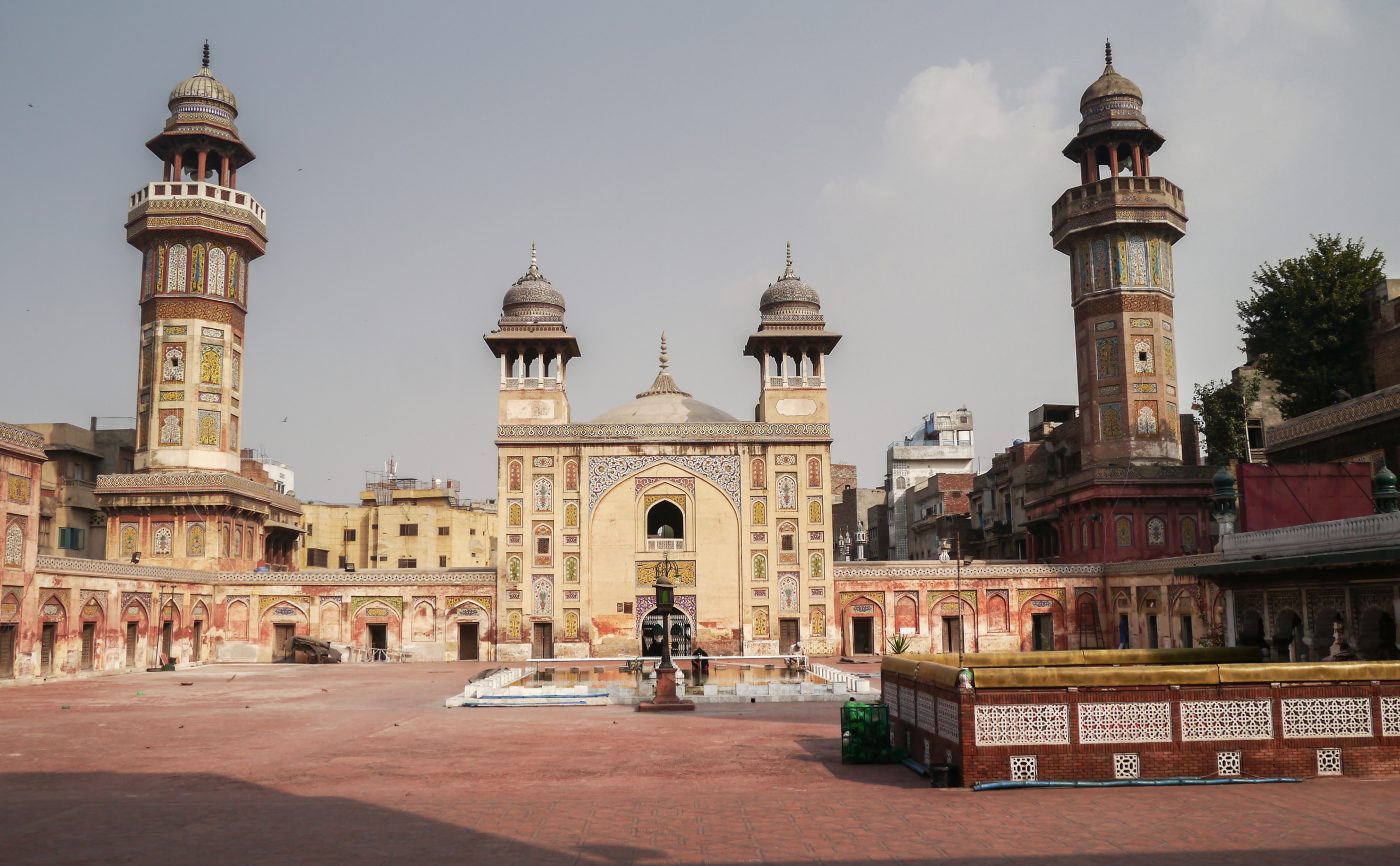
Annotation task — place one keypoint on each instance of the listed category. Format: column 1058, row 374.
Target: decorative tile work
column 212, row 333
column 218, row 271
column 949, row 723
column 1142, row 356
column 571, row 474
column 605, row 472
column 513, row 624
column 515, row 539
column 571, row 595
column 194, row 539
column 163, row 537
column 14, row 544
column 758, row 474
column 816, row 567
column 1228, row 764
column 760, row 592
column 814, row 509
column 1127, row 765
column 1022, row 725
column 513, row 475
column 788, row 594
column 685, row 483
column 514, row 566
column 1390, row 717
column 1023, row 594
column 906, row 704
column 571, row 625
column 174, row 331
column 786, row 460
column 1140, row 323
column 816, row 591
column 787, row 491
column 814, row 472
column 760, row 567
column 1106, row 351
column 816, row 620
column 17, row 488
column 515, row 513
column 542, row 595
column 211, row 364
column 758, row 512
column 1144, row 387
column 1329, row 762
column 571, row 570
column 173, row 367
column 1107, row 325
column 682, row 572
column 758, row 537
column 1226, row 720
column 175, row 273
column 1156, row 531
column 1123, row 531
column 1169, row 356
column 1023, row 768
column 544, row 493
column 542, row 461
column 760, row 622
column 171, row 424
column 1326, row 717
column 1124, row 722
column 1145, row 414
column 205, row 397
column 208, row 427
column 926, row 713
column 889, row 694
column 816, row 535
column 688, row 432
column 1111, row 421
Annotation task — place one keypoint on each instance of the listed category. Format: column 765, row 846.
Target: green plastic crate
column 865, row 733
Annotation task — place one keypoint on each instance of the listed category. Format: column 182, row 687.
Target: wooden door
column 787, row 635
column 7, row 652
column 952, row 634
column 167, row 640
column 46, row 647
column 131, row 641
column 863, row 635
column 282, row 634
column 89, row 644
column 542, row 647
column 468, row 647
column 195, row 637
column 378, row 641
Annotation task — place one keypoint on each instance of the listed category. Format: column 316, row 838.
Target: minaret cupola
column 534, row 347
column 791, row 346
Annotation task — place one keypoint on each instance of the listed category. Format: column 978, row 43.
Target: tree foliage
column 1222, row 418
column 1306, row 321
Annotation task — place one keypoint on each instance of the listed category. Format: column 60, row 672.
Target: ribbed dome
column 1110, row 83
column 790, row 290
column 203, row 85
column 532, row 290
column 663, row 403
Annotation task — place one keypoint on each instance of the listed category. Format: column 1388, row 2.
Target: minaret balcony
column 1118, row 200
column 178, row 196
column 796, row 381
column 531, row 383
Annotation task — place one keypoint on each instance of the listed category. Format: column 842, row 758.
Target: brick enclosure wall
column 1289, row 749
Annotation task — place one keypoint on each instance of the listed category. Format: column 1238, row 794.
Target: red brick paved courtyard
column 361, row 764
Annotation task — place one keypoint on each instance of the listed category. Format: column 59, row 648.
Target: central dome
column 664, row 403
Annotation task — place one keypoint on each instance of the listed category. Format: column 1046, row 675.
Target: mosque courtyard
column 362, row 764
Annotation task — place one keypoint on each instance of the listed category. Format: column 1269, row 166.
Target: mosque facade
column 736, row 513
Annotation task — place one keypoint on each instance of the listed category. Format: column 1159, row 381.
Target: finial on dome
column 788, row 272
column 205, row 64
column 789, row 254
column 1107, row 53
column 665, row 359
column 533, row 259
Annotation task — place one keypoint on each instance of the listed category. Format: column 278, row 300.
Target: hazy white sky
column 661, row 154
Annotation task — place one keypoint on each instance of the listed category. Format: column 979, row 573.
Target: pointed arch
column 218, row 266
column 236, row 619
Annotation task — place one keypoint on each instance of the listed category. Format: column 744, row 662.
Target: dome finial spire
column 665, row 358
column 205, row 64
column 1107, row 53
column 533, row 256
column 787, row 272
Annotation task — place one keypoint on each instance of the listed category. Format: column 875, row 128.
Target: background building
column 70, row 521
column 942, row 442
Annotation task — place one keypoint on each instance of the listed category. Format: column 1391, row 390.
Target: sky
column 661, row 155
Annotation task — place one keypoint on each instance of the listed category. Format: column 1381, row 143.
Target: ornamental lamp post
column 666, row 671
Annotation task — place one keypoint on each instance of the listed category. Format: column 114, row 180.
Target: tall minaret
column 534, row 347
column 198, row 233
column 791, row 346
column 1118, row 232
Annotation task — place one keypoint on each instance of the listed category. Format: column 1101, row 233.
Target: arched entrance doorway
column 1377, row 637
column 681, row 634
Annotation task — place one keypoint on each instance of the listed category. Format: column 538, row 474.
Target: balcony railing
column 169, row 190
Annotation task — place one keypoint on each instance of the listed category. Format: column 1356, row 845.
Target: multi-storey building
column 70, row 521
column 941, row 443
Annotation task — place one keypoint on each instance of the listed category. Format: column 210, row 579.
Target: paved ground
column 358, row 764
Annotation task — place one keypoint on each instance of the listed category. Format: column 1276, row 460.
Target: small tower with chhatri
column 197, row 233
column 791, row 346
column 534, row 347
column 1118, row 232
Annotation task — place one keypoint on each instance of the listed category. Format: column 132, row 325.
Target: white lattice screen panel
column 1022, row 725
column 927, row 714
column 1390, row 717
column 906, row 704
column 1227, row 720
column 1023, row 768
column 1122, row 722
column 1329, row 762
column 949, row 723
column 1228, row 764
column 889, row 693
column 1127, row 766
column 1326, row 717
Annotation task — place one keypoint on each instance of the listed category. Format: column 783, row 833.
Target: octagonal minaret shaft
column 1118, row 231
column 197, row 233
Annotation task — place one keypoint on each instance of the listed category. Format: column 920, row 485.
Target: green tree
column 1222, row 418
column 1306, row 320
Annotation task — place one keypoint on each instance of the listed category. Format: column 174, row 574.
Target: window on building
column 310, row 528
column 444, row 530
column 349, row 535
column 407, row 562
column 473, row 532
column 1152, row 632
column 408, row 529
column 340, row 563
column 1188, row 639
column 70, row 538
column 317, row 558
column 442, row 562
column 45, row 532
column 665, row 520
